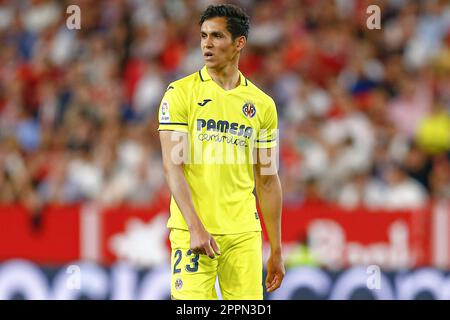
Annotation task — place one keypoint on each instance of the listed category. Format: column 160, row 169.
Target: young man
column 213, row 124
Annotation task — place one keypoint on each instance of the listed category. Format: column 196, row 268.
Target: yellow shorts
column 238, row 268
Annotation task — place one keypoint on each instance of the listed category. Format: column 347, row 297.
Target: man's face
column 216, row 43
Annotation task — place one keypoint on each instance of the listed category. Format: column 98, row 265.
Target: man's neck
column 228, row 78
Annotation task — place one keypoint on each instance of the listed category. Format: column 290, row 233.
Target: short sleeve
column 173, row 111
column 267, row 135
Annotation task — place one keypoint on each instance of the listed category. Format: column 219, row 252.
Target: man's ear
column 240, row 42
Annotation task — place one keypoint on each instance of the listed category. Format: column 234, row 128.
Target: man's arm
column 174, row 150
column 268, row 190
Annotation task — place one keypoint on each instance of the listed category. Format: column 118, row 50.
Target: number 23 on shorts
column 191, row 267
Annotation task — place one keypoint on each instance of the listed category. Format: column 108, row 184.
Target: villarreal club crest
column 249, row 109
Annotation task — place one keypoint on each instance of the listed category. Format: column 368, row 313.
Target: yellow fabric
column 239, row 268
column 224, row 127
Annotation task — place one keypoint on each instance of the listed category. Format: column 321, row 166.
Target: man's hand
column 203, row 243
column 275, row 272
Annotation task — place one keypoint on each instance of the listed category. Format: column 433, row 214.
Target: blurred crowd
column 364, row 113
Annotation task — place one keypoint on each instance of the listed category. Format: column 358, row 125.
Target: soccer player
column 218, row 139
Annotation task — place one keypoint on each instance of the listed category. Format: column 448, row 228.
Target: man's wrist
column 276, row 250
column 195, row 225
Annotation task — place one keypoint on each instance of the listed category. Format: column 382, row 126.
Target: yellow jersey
column 224, row 127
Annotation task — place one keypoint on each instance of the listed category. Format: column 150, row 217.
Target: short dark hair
column 238, row 22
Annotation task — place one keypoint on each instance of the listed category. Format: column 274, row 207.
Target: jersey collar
column 204, row 76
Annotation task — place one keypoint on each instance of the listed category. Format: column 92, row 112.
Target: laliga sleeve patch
column 164, row 116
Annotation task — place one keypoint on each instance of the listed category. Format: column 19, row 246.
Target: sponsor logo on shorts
column 178, row 284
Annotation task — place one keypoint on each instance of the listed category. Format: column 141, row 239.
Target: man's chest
column 212, row 110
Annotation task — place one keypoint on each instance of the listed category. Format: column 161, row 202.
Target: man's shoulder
column 185, row 83
column 260, row 94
